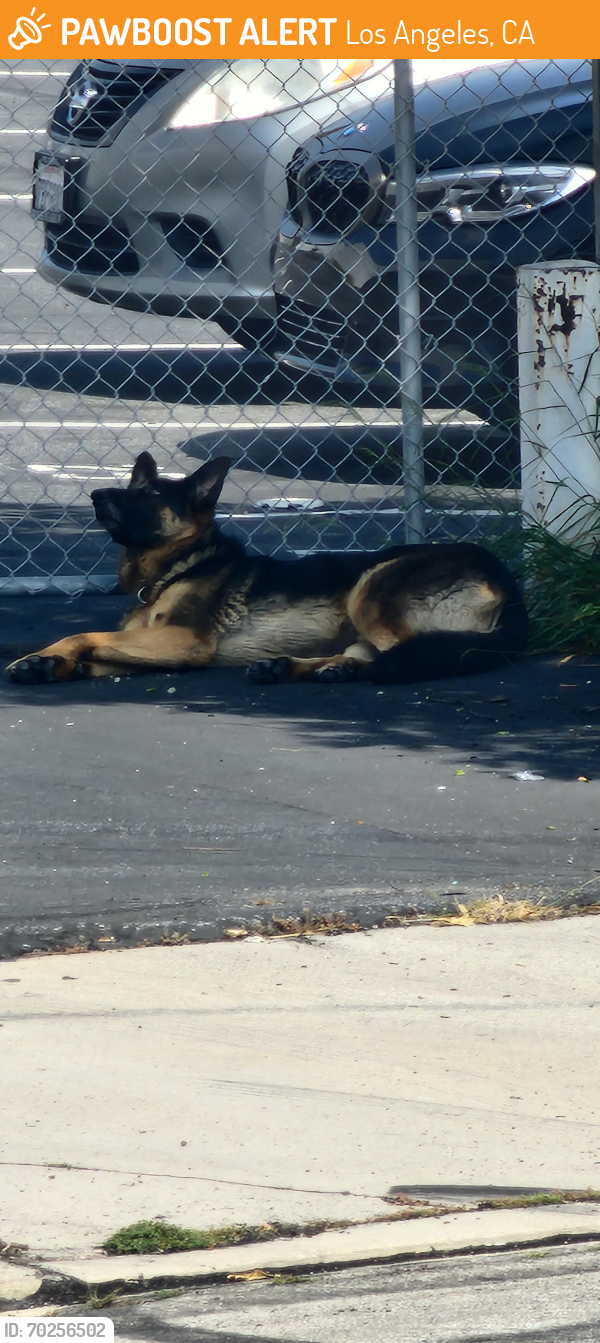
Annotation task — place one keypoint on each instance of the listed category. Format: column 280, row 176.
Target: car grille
column 91, row 246
column 97, row 96
column 335, row 195
column 315, row 334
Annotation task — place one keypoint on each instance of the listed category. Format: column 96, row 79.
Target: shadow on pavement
column 365, row 454
column 218, row 377
column 538, row 714
column 152, row 1329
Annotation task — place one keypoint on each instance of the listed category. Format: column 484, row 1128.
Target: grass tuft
column 159, row 1237
column 562, row 586
column 544, row 1199
column 285, row 1279
column 95, row 1302
column 163, row 1238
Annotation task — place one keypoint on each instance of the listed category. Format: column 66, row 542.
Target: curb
column 338, row 910
column 72, row 1280
column 18, row 1282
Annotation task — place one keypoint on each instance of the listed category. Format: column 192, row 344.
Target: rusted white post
column 559, row 395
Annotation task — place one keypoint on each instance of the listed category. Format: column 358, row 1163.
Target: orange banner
column 500, row 30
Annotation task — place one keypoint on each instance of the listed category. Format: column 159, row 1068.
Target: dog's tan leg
column 344, row 666
column 83, row 655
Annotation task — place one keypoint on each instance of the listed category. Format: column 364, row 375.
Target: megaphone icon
column 27, row 30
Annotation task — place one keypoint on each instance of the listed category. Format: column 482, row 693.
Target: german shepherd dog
column 407, row 613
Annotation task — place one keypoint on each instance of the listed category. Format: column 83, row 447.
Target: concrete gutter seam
column 40, row 937
column 70, row 1281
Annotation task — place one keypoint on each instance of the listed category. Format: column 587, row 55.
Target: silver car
column 162, row 184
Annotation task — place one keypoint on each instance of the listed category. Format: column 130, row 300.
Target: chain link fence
column 211, row 267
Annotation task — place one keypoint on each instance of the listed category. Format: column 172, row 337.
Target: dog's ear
column 144, row 472
column 204, row 487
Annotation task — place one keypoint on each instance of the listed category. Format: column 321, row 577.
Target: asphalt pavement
column 535, row 1296
column 551, row 1298
column 182, row 803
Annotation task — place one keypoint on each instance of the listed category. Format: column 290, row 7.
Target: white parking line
column 31, row 346
column 82, row 473
column 32, row 74
column 240, row 426
column 18, row 270
column 108, row 424
column 11, row 196
column 48, row 469
column 22, row 130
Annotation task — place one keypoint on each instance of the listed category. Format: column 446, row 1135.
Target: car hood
column 529, row 111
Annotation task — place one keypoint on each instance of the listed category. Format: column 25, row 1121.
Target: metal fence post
column 596, row 149
column 408, row 302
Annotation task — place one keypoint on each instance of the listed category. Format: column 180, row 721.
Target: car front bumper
column 338, row 314
column 225, row 181
column 337, row 298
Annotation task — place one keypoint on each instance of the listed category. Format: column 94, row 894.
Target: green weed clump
column 546, row 1198
column 562, row 590
column 164, row 1238
column 161, row 1237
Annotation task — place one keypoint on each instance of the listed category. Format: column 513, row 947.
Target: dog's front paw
column 270, row 671
column 43, row 670
column 337, row 672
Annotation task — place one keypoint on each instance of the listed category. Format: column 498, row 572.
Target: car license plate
column 48, row 190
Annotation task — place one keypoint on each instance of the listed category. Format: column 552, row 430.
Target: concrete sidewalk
column 291, row 1080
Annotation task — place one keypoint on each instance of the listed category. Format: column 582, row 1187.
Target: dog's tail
column 428, row 657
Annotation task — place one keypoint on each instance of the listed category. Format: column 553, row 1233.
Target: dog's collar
column 149, row 592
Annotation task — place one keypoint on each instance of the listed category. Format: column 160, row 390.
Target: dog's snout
column 104, row 503
column 106, row 509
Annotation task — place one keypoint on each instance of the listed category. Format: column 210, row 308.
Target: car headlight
column 489, row 193
column 247, row 89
